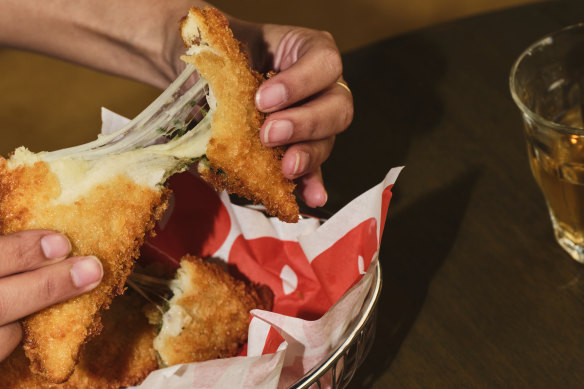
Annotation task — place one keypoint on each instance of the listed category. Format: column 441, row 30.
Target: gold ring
column 344, row 85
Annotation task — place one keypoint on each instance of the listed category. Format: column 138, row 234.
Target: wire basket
column 340, row 365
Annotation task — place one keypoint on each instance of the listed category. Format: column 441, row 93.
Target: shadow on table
column 416, row 242
column 395, row 88
column 394, row 85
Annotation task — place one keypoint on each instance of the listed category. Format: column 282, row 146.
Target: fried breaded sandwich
column 208, row 314
column 233, row 161
column 206, row 318
column 122, row 355
column 107, row 195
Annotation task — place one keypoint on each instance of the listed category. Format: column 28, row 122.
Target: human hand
column 306, row 104
column 307, row 101
column 35, row 273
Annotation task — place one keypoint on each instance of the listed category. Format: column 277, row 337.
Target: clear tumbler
column 547, row 84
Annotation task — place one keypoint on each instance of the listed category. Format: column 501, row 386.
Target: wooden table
column 476, row 291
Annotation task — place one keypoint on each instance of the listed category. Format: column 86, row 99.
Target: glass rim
column 545, row 40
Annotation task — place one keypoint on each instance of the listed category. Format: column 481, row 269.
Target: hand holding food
column 207, row 317
column 306, row 100
column 36, row 262
column 307, row 107
column 106, row 195
column 120, row 356
column 308, row 104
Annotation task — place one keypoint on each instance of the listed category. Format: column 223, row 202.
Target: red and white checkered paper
column 319, row 274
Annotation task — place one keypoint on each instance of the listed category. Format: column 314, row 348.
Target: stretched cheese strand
column 159, row 142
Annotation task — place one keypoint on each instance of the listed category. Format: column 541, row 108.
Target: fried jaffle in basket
column 107, row 195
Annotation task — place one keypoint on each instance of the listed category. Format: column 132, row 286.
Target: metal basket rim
column 368, row 309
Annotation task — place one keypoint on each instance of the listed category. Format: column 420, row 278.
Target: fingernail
column 271, row 96
column 302, row 159
column 298, row 164
column 55, row 246
column 278, row 131
column 86, row 271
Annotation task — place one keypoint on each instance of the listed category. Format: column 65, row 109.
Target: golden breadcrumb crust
column 122, row 355
column 112, row 220
column 110, row 223
column 239, row 162
column 219, row 306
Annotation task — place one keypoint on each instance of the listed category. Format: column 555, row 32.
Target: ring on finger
column 344, row 85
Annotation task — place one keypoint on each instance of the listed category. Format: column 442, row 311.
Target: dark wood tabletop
column 476, row 292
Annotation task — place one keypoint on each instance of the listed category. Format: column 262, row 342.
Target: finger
column 29, row 250
column 306, row 157
column 311, row 189
column 318, row 66
column 10, row 337
column 29, row 292
column 326, row 115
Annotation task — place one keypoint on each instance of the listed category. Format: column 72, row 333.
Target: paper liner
column 319, row 274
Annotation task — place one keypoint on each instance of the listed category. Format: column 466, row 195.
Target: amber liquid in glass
column 559, row 171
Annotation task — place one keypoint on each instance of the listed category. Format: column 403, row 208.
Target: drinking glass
column 547, row 84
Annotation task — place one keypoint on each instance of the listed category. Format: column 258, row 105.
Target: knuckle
column 332, row 61
column 329, row 148
column 310, row 128
column 325, row 150
column 8, row 304
column 4, row 309
column 321, row 151
column 327, row 35
column 19, row 251
column 22, row 254
column 347, row 117
column 49, row 290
